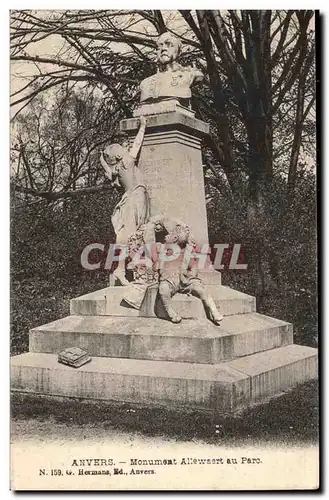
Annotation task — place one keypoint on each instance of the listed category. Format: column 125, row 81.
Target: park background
column 75, row 75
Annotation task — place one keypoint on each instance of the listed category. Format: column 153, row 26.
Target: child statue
column 175, row 276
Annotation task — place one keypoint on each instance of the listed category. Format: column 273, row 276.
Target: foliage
column 288, row 288
column 46, row 245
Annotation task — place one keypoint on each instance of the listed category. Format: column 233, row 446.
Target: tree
column 56, row 145
column 252, row 61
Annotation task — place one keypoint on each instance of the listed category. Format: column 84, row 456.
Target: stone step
column 155, row 339
column 274, row 371
column 107, row 302
column 225, row 387
column 209, row 277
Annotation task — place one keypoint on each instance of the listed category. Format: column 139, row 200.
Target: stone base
column 223, row 387
column 165, row 106
column 193, row 341
column 108, row 302
column 145, row 360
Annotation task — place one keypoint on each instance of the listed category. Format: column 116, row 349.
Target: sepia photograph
column 163, row 250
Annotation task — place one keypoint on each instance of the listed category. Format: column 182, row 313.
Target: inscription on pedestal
column 175, row 184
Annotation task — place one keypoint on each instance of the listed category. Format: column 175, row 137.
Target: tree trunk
column 297, row 140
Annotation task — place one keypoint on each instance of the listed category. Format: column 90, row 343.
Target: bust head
column 173, row 81
column 168, row 49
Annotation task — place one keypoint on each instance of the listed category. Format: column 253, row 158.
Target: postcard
column 164, row 330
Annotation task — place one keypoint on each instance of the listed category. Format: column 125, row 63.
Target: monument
column 138, row 356
column 170, row 158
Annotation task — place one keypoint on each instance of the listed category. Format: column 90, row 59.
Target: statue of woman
column 121, row 167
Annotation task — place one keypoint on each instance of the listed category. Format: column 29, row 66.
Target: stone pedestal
column 139, row 358
column 147, row 360
column 171, row 163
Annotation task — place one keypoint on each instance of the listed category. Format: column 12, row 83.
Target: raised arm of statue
column 138, row 139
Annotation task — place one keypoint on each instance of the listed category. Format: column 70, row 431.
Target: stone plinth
column 109, row 302
column 167, row 106
column 193, row 341
column 146, row 360
column 224, row 387
column 277, row 370
column 171, row 163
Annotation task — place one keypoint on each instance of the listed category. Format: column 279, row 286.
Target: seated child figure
column 175, row 277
